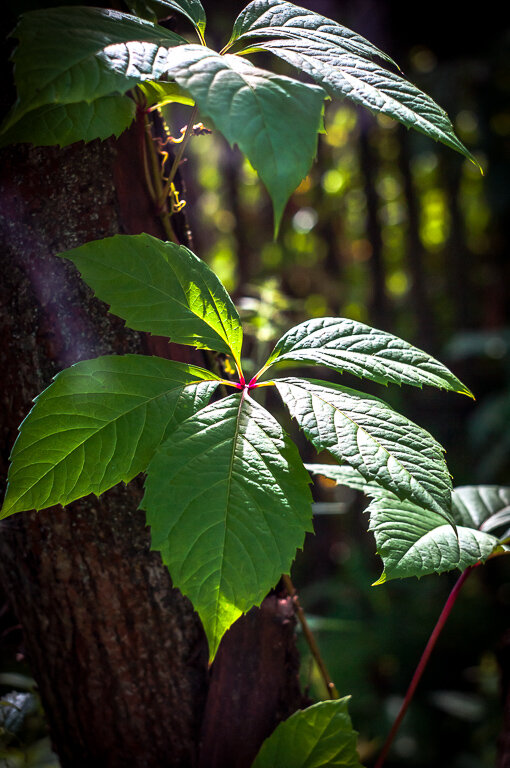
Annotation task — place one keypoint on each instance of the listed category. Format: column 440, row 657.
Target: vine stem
column 180, row 152
column 450, row 602
column 310, row 639
column 154, row 183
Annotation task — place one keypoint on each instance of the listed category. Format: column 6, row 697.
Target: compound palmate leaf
column 368, row 434
column 342, row 63
column 319, row 736
column 348, row 346
column 161, row 288
column 413, row 541
column 97, row 424
column 273, row 119
column 228, row 502
column 60, row 56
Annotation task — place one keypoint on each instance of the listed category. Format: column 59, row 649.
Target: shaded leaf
column 60, row 56
column 384, row 446
column 64, row 124
column 162, row 288
column 413, row 541
column 348, row 346
column 240, row 506
column 319, row 736
column 273, row 119
column 98, row 423
column 154, row 9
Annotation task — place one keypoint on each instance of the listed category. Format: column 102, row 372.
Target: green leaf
column 61, row 56
column 278, row 18
column 273, row 119
column 161, row 288
column 239, row 508
column 352, row 347
column 316, row 737
column 342, row 63
column 98, row 423
column 164, row 93
column 155, row 9
column 413, row 541
column 64, row 124
column 368, row 434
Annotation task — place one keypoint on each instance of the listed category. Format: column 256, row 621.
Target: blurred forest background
column 403, row 234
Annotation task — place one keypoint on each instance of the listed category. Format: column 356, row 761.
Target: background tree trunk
column 119, row 656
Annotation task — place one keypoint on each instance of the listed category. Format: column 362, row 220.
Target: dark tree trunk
column 504, row 738
column 119, row 656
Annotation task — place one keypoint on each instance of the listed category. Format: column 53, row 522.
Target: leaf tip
column 381, row 580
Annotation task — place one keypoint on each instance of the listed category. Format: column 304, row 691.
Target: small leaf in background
column 63, row 124
column 317, row 737
column 161, row 288
column 273, row 119
column 351, row 347
column 413, row 541
column 98, row 423
column 154, row 9
column 59, row 59
column 240, row 505
column 384, row 446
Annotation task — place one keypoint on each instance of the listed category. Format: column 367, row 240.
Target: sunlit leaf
column 162, row 288
column 278, row 18
column 164, row 93
column 352, row 347
column 98, row 423
column 319, row 736
column 384, row 446
column 240, row 507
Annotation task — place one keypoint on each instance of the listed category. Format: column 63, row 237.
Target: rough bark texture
column 253, row 685
column 119, row 656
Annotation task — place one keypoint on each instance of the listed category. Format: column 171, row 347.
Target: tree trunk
column 119, row 656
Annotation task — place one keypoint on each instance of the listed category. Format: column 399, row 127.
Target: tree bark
column 119, row 656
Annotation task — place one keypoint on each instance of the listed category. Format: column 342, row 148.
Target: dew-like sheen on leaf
column 161, row 288
column 320, row 736
column 97, row 424
column 351, row 347
column 59, row 59
column 228, row 502
column 384, row 446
